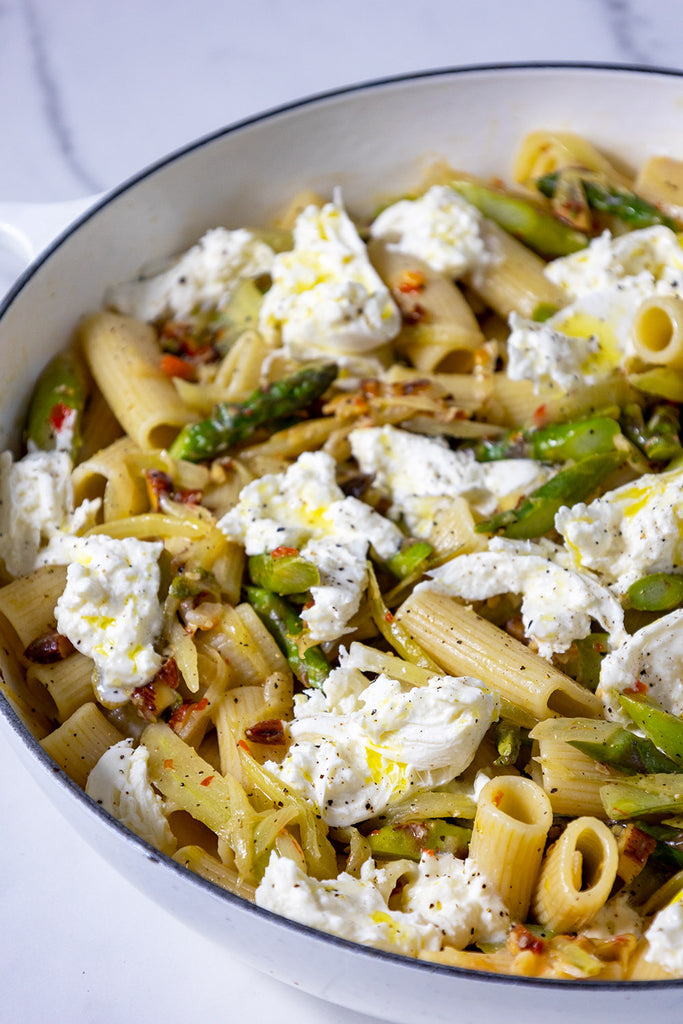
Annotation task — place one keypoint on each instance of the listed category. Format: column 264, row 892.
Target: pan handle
column 27, row 228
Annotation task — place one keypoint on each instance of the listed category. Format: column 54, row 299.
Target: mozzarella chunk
column 110, row 609
column 326, row 298
column 420, row 473
column 120, row 784
column 36, row 503
column 444, row 900
column 608, row 261
column 305, row 508
column 629, row 532
column 453, row 895
column 651, row 657
column 547, row 357
column 616, row 917
column 558, row 604
column 665, row 939
column 440, row 228
column 360, row 746
column 352, row 908
column 202, row 279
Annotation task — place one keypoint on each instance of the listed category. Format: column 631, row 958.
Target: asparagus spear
column 536, row 514
column 584, row 659
column 658, row 439
column 407, row 561
column 283, row 572
column 278, row 616
column 231, row 423
column 659, row 592
column 411, row 839
column 554, row 443
column 508, row 738
column 605, row 198
column 627, row 752
column 57, row 404
column 537, row 229
column 665, row 730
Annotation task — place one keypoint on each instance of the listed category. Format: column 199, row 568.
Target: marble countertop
column 92, row 92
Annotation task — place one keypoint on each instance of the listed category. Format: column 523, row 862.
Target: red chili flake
column 309, row 604
column 168, row 674
column 371, row 387
column 244, row 746
column 207, row 781
column 188, row 497
column 168, row 763
column 176, row 366
column 638, row 687
column 497, row 798
column 283, row 552
column 388, row 616
column 540, row 415
column 411, row 281
column 158, row 484
column 429, row 853
column 60, row 414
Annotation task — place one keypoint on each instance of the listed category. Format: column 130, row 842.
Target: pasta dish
column 343, row 564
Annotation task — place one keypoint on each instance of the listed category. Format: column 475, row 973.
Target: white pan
column 370, row 139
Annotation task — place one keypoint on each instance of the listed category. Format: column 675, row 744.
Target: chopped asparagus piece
column 283, row 573
column 665, row 730
column 231, row 423
column 555, row 443
column 411, row 839
column 508, row 738
column 57, row 404
column 537, row 229
column 619, row 202
column 659, row 592
column 311, row 668
column 643, row 795
column 658, row 439
column 407, row 561
column 536, row 514
column 627, row 752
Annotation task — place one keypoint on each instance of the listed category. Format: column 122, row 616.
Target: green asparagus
column 311, row 668
column 537, row 229
column 407, row 561
column 283, row 573
column 630, row 754
column 659, row 592
column 508, row 739
column 56, row 408
column 411, row 839
column 584, row 659
column 665, row 730
column 605, row 198
column 536, row 514
column 658, row 439
column 554, row 443
column 231, row 423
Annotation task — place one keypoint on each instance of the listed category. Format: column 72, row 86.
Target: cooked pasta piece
column 466, row 644
column 543, row 152
column 107, row 475
column 508, row 838
column 657, row 331
column 123, row 355
column 660, row 181
column 79, row 742
column 572, row 778
column 577, row 876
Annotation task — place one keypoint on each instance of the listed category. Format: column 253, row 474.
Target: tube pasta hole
column 655, row 329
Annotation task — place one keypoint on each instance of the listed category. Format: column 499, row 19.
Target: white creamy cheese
column 304, row 508
column 120, row 784
column 455, row 896
column 445, row 900
column 326, row 298
column 36, row 503
column 652, row 657
column 421, row 473
column 608, row 261
column 201, row 280
column 558, row 604
column 665, row 939
column 352, row 908
column 547, row 357
column 440, row 228
column 110, row 609
column 616, row 917
column 361, row 745
column 629, row 532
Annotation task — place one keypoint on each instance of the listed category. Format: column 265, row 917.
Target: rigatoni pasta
column 361, row 598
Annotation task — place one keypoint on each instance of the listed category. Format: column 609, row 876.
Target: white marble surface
column 89, row 93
